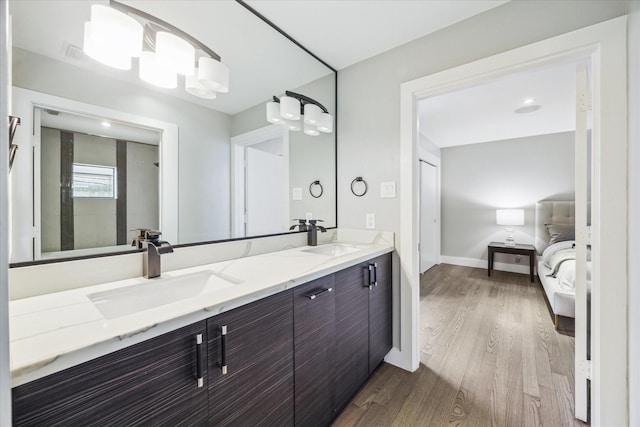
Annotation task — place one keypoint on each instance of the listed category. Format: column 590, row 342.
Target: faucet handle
column 302, row 224
column 314, row 221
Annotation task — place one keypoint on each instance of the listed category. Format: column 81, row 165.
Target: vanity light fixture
column 298, row 112
column 117, row 33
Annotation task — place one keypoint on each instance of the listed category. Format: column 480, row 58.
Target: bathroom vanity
column 289, row 343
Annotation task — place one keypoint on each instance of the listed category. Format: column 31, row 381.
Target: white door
column 265, row 192
column 583, row 243
column 428, row 204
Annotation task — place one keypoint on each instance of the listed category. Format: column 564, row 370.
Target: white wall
column 634, row 211
column 204, row 181
column 477, row 179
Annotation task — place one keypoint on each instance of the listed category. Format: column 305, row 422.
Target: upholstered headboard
column 550, row 212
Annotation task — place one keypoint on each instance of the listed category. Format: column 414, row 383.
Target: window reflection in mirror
column 94, row 186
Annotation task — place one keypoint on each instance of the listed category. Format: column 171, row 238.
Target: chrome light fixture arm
column 303, row 101
column 163, row 26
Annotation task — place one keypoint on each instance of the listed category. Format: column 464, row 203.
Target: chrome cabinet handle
column 199, row 366
column 223, row 345
column 319, row 293
column 375, row 274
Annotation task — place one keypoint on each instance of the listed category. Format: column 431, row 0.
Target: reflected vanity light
column 292, row 107
column 117, row 33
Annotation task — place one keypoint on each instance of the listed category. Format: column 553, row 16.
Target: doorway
column 260, row 177
column 429, row 217
column 609, row 204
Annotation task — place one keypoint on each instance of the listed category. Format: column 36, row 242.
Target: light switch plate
column 388, row 190
column 296, row 193
column 371, row 221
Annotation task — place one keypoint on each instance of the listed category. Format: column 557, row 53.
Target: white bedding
column 560, row 259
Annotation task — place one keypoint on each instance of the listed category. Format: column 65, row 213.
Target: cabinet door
column 152, row 382
column 254, row 385
column 314, row 335
column 352, row 332
column 380, row 307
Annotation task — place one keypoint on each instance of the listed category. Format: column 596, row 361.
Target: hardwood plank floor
column 490, row 356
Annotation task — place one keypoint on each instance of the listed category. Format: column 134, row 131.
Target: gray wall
column 477, row 179
column 204, row 199
column 369, row 91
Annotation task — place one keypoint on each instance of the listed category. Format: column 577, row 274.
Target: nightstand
column 528, row 250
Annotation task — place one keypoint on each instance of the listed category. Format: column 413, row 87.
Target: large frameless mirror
column 102, row 152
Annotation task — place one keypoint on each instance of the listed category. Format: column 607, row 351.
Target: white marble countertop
column 55, row 331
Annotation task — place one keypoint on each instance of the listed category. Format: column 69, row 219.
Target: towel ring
column 312, row 185
column 356, row 180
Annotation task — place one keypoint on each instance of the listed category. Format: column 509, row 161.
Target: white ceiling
column 486, row 112
column 343, row 32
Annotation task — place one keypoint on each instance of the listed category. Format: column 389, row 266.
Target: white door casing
column 603, row 44
column 428, row 206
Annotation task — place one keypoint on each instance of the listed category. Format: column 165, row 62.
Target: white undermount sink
column 333, row 249
column 158, row 292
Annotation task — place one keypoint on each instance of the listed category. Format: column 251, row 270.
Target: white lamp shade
column 510, row 216
column 99, row 49
column 273, row 112
column 326, row 123
column 152, row 72
column 119, row 30
column 312, row 114
column 175, row 53
column 213, row 74
column 290, row 108
column 293, row 125
column 311, row 130
column 194, row 87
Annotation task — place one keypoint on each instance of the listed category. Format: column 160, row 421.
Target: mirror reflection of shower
column 95, row 179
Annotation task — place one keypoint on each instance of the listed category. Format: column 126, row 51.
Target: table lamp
column 509, row 218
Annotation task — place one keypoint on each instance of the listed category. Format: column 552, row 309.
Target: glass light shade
column 510, row 216
column 99, row 49
column 175, row 53
column 312, row 114
column 311, row 130
column 326, row 123
column 116, row 29
column 290, row 108
column 273, row 112
column 194, row 87
column 292, row 124
column 152, row 72
column 213, row 74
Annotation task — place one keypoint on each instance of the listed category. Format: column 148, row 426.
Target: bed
column 555, row 245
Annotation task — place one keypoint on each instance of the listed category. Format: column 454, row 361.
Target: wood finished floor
column 490, row 357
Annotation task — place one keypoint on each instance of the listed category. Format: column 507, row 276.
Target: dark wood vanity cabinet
column 315, row 344
column 363, row 324
column 152, row 383
column 352, row 332
column 251, row 364
column 294, row 358
column 380, row 311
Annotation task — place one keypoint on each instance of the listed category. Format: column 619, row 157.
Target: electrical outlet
column 518, row 259
column 371, row 221
column 308, row 216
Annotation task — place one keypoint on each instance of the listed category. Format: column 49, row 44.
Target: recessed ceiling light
column 527, row 109
column 529, row 101
column 106, row 124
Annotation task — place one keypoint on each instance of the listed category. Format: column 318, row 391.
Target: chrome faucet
column 155, row 247
column 312, row 235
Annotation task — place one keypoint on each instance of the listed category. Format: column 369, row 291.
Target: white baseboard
column 482, row 263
